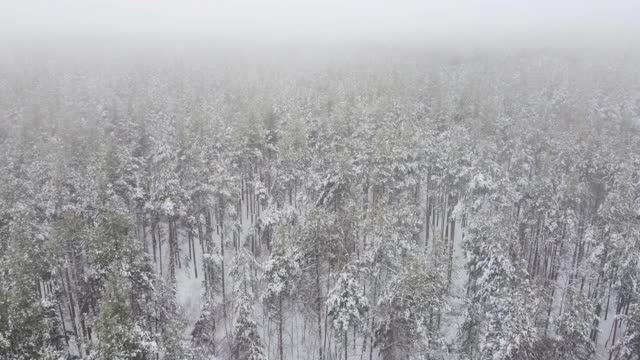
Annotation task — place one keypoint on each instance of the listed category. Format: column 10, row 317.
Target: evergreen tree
column 119, row 337
column 247, row 344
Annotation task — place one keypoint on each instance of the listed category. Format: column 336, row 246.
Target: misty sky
column 477, row 21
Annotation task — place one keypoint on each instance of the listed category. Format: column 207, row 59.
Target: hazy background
column 581, row 23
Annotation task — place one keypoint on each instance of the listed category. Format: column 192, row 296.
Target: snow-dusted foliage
column 247, row 344
column 203, row 333
column 410, row 307
column 120, row 337
column 477, row 206
column 346, row 303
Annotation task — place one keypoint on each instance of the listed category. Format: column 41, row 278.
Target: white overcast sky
column 442, row 21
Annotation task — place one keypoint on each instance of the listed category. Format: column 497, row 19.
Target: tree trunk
column 72, row 312
column 193, row 253
column 172, row 254
column 160, row 250
column 224, row 298
column 208, row 242
column 319, row 304
column 280, row 347
column 153, row 241
column 345, row 344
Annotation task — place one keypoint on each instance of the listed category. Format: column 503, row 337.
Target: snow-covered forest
column 430, row 205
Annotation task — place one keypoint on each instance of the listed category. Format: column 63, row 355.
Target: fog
column 319, row 179
column 587, row 23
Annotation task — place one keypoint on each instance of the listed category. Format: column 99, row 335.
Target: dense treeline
column 423, row 207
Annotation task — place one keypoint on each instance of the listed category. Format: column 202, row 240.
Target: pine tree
column 203, row 334
column 408, row 306
column 247, row 344
column 628, row 347
column 281, row 273
column 347, row 306
column 119, row 337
